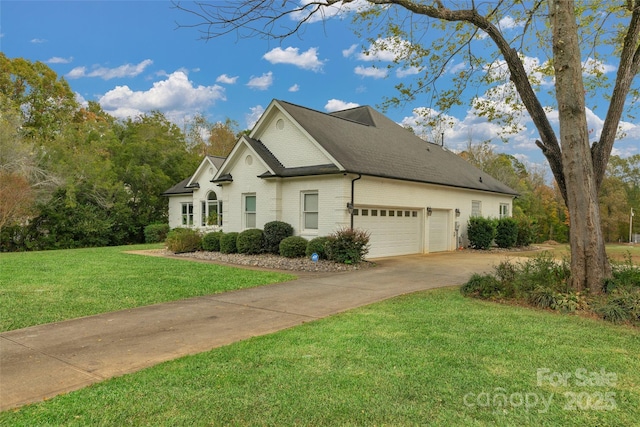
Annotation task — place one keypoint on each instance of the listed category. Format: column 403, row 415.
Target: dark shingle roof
column 180, row 188
column 366, row 142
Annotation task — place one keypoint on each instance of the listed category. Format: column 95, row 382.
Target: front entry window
column 212, row 210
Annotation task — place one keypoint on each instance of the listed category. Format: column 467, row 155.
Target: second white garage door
column 439, row 231
column 393, row 231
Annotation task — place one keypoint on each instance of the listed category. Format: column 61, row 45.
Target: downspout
column 353, row 181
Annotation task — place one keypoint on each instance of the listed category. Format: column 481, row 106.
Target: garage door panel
column 392, row 232
column 439, row 231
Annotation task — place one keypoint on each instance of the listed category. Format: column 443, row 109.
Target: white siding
column 290, row 145
column 175, row 209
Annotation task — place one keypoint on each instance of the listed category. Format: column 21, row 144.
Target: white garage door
column 393, row 231
column 439, row 231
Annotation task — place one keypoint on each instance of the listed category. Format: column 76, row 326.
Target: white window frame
column 207, row 206
column 249, row 217
column 187, row 214
column 308, row 212
column 504, row 210
column 476, row 208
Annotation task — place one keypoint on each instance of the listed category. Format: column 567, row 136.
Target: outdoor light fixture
column 350, row 208
column 429, row 211
column 457, row 212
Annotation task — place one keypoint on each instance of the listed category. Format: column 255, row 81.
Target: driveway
column 40, row 362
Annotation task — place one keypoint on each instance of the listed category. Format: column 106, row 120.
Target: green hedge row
column 344, row 246
column 505, row 232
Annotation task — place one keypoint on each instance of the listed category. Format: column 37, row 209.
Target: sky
column 137, row 56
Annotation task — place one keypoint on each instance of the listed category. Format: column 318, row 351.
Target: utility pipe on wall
column 353, row 181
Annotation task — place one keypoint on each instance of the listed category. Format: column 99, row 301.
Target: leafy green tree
column 46, row 101
column 149, row 155
column 561, row 30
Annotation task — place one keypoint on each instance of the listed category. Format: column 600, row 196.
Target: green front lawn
column 50, row 286
column 431, row 358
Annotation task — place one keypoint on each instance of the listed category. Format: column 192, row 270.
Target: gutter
column 350, row 204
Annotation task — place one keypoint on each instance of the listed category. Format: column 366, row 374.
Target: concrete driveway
column 40, row 362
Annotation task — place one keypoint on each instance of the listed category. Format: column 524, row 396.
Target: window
column 249, row 211
column 383, row 212
column 310, row 211
column 374, row 212
column 476, row 208
column 504, row 210
column 392, row 213
column 187, row 214
column 212, row 210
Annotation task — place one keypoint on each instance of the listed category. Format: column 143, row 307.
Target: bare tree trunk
column 589, row 263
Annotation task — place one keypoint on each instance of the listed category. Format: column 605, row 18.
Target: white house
column 354, row 168
column 196, row 201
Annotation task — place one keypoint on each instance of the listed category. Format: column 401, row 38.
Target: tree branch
column 627, row 70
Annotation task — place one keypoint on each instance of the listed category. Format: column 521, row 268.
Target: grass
column 50, row 286
column 615, row 252
column 431, row 358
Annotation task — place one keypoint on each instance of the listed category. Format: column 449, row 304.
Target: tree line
column 74, row 176
column 71, row 175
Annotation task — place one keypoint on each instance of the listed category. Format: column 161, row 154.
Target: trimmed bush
column 506, row 233
column 347, row 246
column 293, row 247
column 274, row 232
column 181, row 240
column 481, row 232
column 250, row 241
column 211, row 241
column 156, row 233
column 482, row 286
column 527, row 231
column 228, row 243
column 317, row 245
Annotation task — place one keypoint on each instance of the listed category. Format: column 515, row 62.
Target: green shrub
column 317, row 245
column 228, row 243
column 621, row 305
column 274, row 232
column 293, row 247
column 180, row 240
column 347, row 246
column 481, row 232
column 211, row 241
column 481, row 286
column 506, row 233
column 250, row 242
column 542, row 297
column 527, row 231
column 156, row 233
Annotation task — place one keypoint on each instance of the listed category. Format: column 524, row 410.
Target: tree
column 46, row 101
column 470, row 29
column 212, row 139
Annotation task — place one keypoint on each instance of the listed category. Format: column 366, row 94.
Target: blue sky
column 132, row 57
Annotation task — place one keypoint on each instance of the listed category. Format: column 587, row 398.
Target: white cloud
column 307, row 60
column 294, row 88
column 176, row 97
column 38, row 41
column 338, row 10
column 59, row 60
column 508, row 23
column 225, row 79
column 338, row 105
column 253, row 116
column 261, row 83
column 374, row 72
column 350, row 51
column 594, row 66
column 127, row 70
column 410, row 71
column 388, row 49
